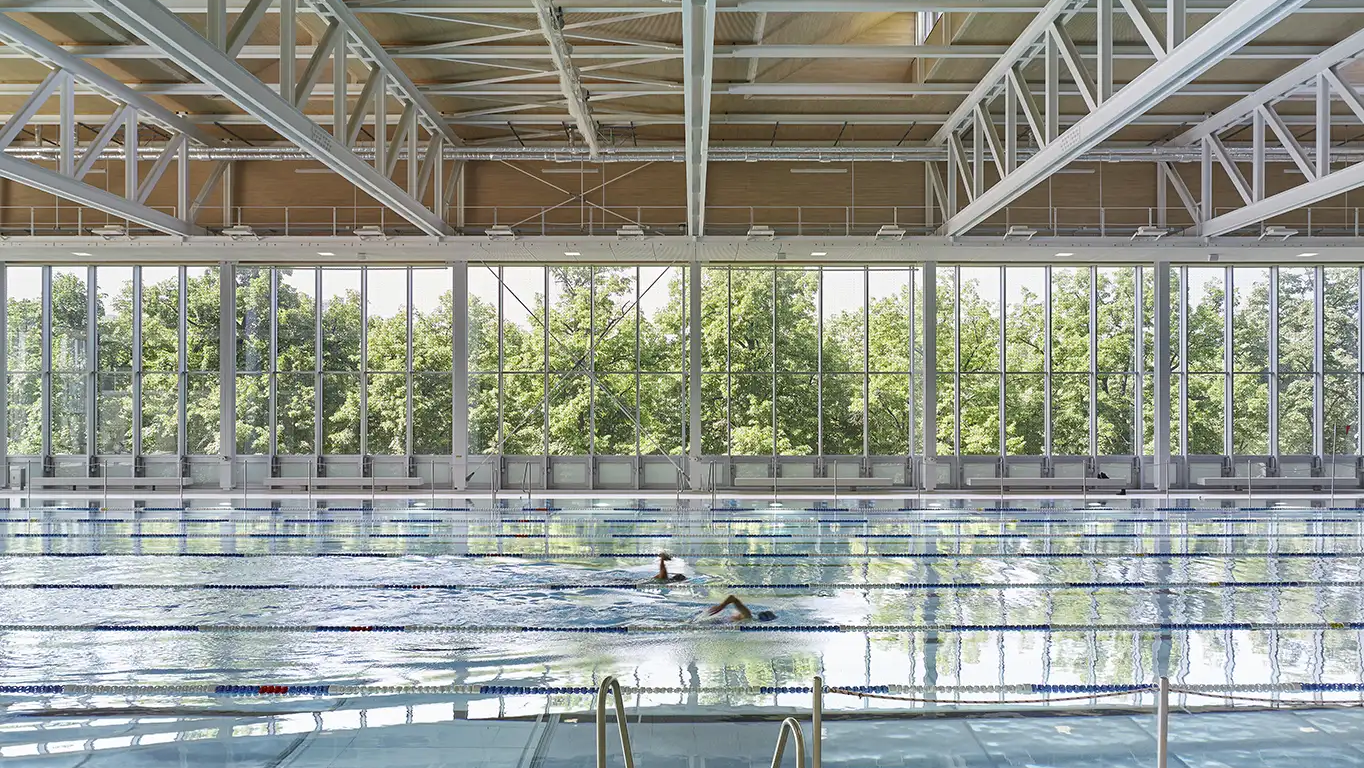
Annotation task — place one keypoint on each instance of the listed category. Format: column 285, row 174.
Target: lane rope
column 642, row 629
column 729, row 558
column 696, row 585
column 1218, row 690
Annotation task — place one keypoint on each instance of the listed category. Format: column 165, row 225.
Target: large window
column 806, row 361
column 573, row 360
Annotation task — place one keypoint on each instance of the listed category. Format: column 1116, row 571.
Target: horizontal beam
column 521, row 8
column 793, row 152
column 480, row 89
column 626, row 52
column 68, row 188
column 905, row 119
column 1244, row 21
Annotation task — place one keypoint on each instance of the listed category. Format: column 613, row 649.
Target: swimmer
column 741, row 611
column 663, row 559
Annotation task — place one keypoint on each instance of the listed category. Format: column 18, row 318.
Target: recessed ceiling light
column 79, row 253
column 1064, row 255
column 325, row 253
column 572, row 253
column 1301, row 255
column 818, row 253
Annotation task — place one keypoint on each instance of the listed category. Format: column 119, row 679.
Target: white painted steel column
column 694, row 373
column 46, row 303
column 459, row 299
column 4, row 382
column 930, row 426
column 1319, row 365
column 1161, row 409
column 227, row 371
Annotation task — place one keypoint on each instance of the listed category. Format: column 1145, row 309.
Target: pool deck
column 348, row 734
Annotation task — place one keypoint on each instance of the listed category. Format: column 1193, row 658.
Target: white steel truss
column 1110, row 109
column 277, row 105
column 1320, row 181
column 698, row 43
column 74, row 162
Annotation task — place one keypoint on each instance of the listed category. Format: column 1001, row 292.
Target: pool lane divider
column 671, row 629
column 648, row 586
column 945, row 692
column 697, row 538
column 733, row 559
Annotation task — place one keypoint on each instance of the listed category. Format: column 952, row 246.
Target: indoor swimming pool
column 292, row 635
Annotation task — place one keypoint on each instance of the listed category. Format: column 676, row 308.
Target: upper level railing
column 593, row 220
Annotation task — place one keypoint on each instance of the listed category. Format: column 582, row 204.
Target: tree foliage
column 599, row 365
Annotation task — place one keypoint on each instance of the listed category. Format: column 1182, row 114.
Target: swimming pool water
column 872, row 596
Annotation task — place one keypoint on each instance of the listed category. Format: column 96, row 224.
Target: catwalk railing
column 663, row 221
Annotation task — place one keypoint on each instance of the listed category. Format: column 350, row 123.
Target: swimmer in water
column 741, row 611
column 663, row 559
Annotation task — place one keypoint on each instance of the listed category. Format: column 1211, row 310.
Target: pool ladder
column 790, row 728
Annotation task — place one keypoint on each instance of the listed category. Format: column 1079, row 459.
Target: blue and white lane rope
column 791, row 538
column 673, row 629
column 731, row 559
column 945, row 691
column 945, row 586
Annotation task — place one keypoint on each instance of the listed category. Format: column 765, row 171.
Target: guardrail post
column 817, row 724
column 1163, row 724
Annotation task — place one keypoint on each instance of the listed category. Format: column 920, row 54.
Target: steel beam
column 67, row 188
column 520, row 7
column 152, row 22
column 570, row 82
column 35, row 101
column 1146, row 26
column 363, row 45
column 698, row 43
column 1324, row 188
column 1243, row 21
column 522, row 53
column 38, row 47
column 1287, row 83
column 1024, row 46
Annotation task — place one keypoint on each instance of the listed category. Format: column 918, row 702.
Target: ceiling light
column 890, row 232
column 630, row 232
column 1064, row 255
column 79, row 253
column 572, row 253
column 820, row 170
column 760, row 232
column 1307, row 255
column 1148, row 232
column 240, row 232
column 109, row 231
column 818, row 253
column 1282, row 233
column 500, row 232
column 325, row 253
column 1019, row 232
column 574, row 171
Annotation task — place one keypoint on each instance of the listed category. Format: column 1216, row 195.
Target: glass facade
column 575, row 361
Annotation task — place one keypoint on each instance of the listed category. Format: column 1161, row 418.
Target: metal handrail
column 789, row 727
column 612, row 684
